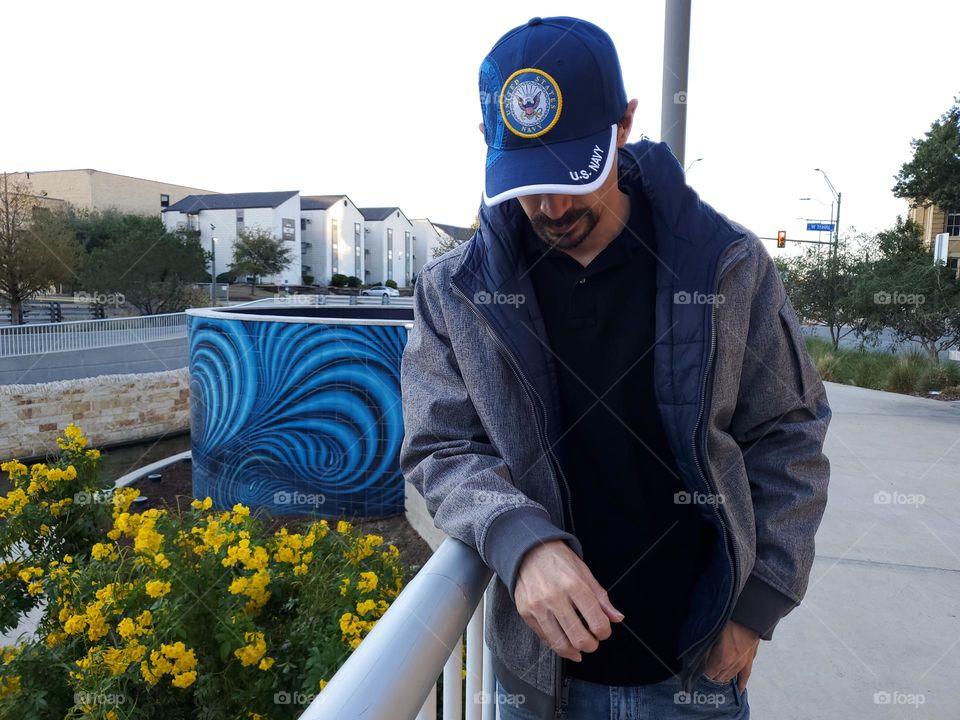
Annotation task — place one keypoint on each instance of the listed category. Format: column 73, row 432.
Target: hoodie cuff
column 513, row 533
column 760, row 607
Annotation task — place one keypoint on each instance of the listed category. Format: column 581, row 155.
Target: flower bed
column 166, row 614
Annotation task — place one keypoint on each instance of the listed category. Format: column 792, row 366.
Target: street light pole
column 836, row 196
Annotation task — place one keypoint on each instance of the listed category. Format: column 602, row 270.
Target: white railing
column 329, row 300
column 17, row 340
column 393, row 673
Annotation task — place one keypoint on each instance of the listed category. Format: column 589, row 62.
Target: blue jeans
column 658, row 701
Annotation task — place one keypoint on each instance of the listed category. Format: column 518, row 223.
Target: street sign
column 820, row 227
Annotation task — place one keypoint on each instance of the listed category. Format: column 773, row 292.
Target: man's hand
column 732, row 654
column 553, row 584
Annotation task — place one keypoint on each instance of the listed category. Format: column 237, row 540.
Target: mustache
column 568, row 218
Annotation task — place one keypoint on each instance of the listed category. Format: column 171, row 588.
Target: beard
column 566, row 232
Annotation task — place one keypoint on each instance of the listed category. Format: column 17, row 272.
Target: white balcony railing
column 393, row 673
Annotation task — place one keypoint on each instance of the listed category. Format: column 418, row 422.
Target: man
column 606, row 393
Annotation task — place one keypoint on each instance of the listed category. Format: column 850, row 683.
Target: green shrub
column 907, row 372
column 391, row 284
column 940, row 377
column 354, row 282
column 199, row 613
column 338, row 280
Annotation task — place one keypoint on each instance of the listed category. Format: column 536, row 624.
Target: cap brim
column 574, row 167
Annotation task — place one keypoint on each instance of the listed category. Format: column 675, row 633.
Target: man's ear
column 625, row 124
column 483, row 130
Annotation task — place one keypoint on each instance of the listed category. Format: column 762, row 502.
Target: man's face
column 561, row 221
column 565, row 221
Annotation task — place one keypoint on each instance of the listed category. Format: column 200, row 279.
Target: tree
column 449, row 242
column 37, row 248
column 820, row 286
column 147, row 264
column 933, row 175
column 904, row 291
column 258, row 252
column 95, row 229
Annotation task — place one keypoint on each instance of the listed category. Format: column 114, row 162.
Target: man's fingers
column 588, row 604
column 744, row 676
column 557, row 639
column 602, row 598
column 578, row 634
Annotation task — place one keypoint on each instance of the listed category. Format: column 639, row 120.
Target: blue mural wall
column 297, row 418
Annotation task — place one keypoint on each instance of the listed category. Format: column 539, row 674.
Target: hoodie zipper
column 732, row 562
column 531, row 392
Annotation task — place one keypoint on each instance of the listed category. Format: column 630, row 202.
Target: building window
column 334, row 246
column 389, row 253
column 164, row 200
column 303, row 224
column 356, row 248
column 952, row 226
column 239, row 221
column 406, row 259
column 953, row 262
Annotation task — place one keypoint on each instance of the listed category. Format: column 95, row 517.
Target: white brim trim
column 559, row 189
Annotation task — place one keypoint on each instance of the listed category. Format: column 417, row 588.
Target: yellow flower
column 28, row 573
column 266, row 663
column 127, row 628
column 343, row 527
column 367, row 582
column 204, row 504
column 93, row 454
column 365, row 606
column 253, row 651
column 157, row 588
column 184, row 680
column 75, row 624
column 102, row 551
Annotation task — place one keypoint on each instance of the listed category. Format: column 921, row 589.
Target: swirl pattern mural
column 297, row 418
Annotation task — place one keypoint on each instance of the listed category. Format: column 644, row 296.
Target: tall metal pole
column 676, row 59
column 836, row 237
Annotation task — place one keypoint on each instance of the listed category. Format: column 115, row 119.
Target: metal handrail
column 393, row 673
column 42, row 338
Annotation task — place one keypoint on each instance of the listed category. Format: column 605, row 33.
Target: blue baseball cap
column 551, row 94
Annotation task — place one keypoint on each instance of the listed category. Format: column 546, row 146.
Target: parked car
column 380, row 291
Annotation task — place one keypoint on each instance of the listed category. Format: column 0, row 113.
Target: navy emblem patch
column 530, row 103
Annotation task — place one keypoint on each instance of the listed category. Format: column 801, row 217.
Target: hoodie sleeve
column 780, row 423
column 448, row 458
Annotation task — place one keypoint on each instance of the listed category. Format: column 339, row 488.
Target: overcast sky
column 380, row 100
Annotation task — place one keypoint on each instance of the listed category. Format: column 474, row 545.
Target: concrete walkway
column 878, row 633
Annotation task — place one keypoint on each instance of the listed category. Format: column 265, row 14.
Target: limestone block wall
column 109, row 408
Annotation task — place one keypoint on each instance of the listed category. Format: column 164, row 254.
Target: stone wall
column 109, row 408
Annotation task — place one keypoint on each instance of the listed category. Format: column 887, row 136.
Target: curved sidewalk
column 878, row 633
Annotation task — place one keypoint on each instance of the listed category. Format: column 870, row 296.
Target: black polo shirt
column 642, row 546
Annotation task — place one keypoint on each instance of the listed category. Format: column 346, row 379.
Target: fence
column 40, row 339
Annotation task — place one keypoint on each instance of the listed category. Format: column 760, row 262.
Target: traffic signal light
column 781, row 238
